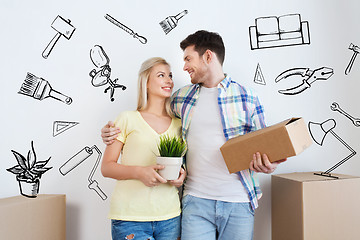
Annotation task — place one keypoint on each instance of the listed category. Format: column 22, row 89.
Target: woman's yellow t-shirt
column 131, row 199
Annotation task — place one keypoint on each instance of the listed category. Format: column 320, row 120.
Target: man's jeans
column 210, row 219
column 159, row 230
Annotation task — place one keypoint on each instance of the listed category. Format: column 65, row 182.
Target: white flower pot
column 172, row 167
column 28, row 188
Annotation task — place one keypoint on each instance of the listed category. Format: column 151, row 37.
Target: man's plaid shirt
column 241, row 113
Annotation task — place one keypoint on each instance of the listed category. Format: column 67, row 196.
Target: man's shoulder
column 241, row 89
column 184, row 91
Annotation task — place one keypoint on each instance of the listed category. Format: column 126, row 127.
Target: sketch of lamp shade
column 318, row 132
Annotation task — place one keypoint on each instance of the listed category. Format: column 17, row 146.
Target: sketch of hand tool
column 286, row 30
column 335, row 107
column 142, row 39
column 80, row 157
column 318, row 132
column 309, row 77
column 356, row 50
column 171, row 22
column 63, row 28
column 259, row 77
column 102, row 76
column 40, row 89
column 28, row 172
column 61, row 126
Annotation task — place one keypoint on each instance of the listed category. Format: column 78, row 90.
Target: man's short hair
column 204, row 40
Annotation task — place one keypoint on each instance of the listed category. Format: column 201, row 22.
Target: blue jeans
column 210, row 219
column 156, row 230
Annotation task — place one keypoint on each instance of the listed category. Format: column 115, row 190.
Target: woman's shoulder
column 126, row 115
column 177, row 121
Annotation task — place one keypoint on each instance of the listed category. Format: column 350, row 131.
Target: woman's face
column 160, row 82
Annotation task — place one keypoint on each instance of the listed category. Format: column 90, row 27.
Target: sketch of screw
column 80, row 157
column 63, row 28
column 125, row 28
column 356, row 50
column 335, row 107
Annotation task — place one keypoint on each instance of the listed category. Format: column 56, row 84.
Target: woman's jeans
column 154, row 230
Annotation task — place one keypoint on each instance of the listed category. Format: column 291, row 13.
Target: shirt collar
column 225, row 83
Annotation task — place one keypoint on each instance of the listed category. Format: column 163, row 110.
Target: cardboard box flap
column 311, row 177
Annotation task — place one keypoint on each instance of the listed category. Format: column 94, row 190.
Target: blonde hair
column 143, row 78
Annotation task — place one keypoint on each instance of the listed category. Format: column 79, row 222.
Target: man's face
column 194, row 65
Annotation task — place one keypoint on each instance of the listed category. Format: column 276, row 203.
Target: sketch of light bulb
column 101, row 76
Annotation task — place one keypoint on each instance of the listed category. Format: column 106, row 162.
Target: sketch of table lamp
column 77, row 159
column 318, row 132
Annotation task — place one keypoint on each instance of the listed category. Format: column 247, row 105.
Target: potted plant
column 171, row 151
column 28, row 172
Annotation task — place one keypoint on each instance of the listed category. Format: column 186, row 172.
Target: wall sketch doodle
column 40, row 89
column 142, row 39
column 318, row 132
column 63, row 28
column 356, row 50
column 335, row 107
column 309, row 77
column 61, row 126
column 80, row 157
column 171, row 22
column 101, row 76
column 286, row 30
column 28, row 172
column 259, row 77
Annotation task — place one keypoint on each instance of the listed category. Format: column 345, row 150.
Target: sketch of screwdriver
column 125, row 28
column 39, row 88
column 171, row 22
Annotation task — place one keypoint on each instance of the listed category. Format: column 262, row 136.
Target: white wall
column 26, row 31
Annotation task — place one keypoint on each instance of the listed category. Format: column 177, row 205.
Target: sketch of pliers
column 309, row 77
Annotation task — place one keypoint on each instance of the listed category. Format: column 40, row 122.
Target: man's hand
column 180, row 181
column 109, row 133
column 261, row 163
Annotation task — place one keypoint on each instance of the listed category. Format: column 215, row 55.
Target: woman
column 143, row 204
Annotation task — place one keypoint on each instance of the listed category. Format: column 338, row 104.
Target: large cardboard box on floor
column 40, row 218
column 285, row 139
column 305, row 206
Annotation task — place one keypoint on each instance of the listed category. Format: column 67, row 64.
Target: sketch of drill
column 102, row 76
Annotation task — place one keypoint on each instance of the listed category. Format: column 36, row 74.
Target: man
column 213, row 109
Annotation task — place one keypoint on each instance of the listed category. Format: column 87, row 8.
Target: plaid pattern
column 241, row 113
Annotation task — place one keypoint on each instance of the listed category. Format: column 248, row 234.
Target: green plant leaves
column 171, row 146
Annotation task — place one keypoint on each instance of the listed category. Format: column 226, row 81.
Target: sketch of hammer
column 63, row 28
column 356, row 50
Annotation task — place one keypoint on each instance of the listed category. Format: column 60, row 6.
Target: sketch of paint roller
column 63, row 28
column 80, row 157
column 171, row 22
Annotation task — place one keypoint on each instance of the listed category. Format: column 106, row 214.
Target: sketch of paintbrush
column 125, row 28
column 39, row 88
column 171, row 22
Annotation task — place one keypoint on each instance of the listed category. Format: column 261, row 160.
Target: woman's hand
column 180, row 181
column 149, row 175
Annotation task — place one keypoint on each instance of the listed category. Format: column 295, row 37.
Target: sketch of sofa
column 286, row 30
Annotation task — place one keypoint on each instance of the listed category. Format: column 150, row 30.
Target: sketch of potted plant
column 171, row 151
column 28, row 172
